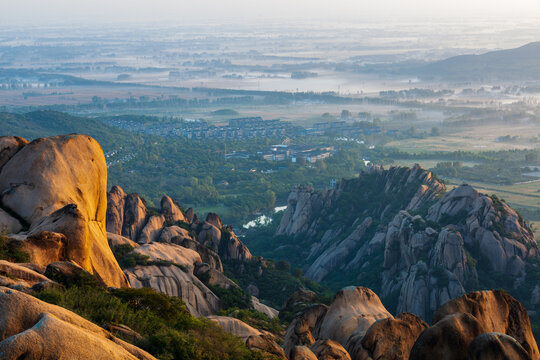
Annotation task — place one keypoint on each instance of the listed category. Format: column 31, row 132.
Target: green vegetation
column 127, row 258
column 233, row 297
column 225, row 112
column 255, row 319
column 168, row 330
column 12, row 251
column 275, row 285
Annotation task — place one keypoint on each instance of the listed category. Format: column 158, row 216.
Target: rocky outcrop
column 425, row 267
column 231, row 248
column 329, row 350
column 116, row 201
column 345, row 321
column 351, row 313
column 37, row 330
column 152, row 230
column 302, row 329
column 399, row 228
column 118, row 240
column 44, row 247
column 265, row 343
column 171, row 226
column 208, row 256
column 496, row 346
column 302, row 203
column 174, row 232
column 302, row 353
column 479, row 325
column 253, row 338
column 8, row 224
column 496, row 311
column 448, row 339
column 58, row 184
column 214, row 219
column 171, row 211
column 235, row 326
column 474, row 326
column 170, row 270
column 214, row 277
column 18, row 275
column 336, row 227
column 500, row 234
column 389, row 339
column 210, row 236
column 337, row 253
column 134, row 216
column 9, row 146
column 265, row 309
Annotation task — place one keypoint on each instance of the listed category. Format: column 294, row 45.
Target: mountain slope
column 521, row 63
column 400, row 233
column 45, row 123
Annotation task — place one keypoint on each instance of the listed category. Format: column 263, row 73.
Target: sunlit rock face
column 58, row 185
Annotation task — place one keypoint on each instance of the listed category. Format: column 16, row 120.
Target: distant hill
column 521, row 63
column 38, row 124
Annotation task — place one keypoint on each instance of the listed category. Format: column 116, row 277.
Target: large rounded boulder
column 58, row 184
column 496, row 311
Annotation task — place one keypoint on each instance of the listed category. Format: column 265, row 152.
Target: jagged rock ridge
column 399, row 231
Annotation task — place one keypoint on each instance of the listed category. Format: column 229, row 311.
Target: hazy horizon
column 59, row 12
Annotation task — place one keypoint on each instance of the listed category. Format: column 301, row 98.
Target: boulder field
column 54, row 208
column 356, row 325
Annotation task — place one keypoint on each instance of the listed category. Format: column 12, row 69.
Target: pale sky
column 25, row 12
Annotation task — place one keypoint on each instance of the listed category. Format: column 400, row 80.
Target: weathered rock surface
column 235, row 326
column 134, row 216
column 329, row 350
column 173, row 281
column 170, row 210
column 336, row 254
column 496, row 311
column 43, row 247
column 448, row 339
column 423, row 282
column 16, row 274
column 209, row 236
column 434, row 245
column 388, row 339
column 118, row 240
column 208, row 256
column 8, row 224
column 171, row 232
column 299, row 332
column 116, row 201
column 302, row 353
column 152, row 230
column 265, row 309
column 58, row 184
column 496, row 346
column 214, row 219
column 170, row 271
column 265, row 343
column 214, row 277
column 9, row 146
column 254, row 338
column 351, row 313
column 232, row 248
column 33, row 329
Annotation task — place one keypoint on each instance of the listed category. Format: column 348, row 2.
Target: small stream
column 263, row 219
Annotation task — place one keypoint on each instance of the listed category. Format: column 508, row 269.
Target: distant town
column 251, row 127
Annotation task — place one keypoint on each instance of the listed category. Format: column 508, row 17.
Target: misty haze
column 269, row 179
